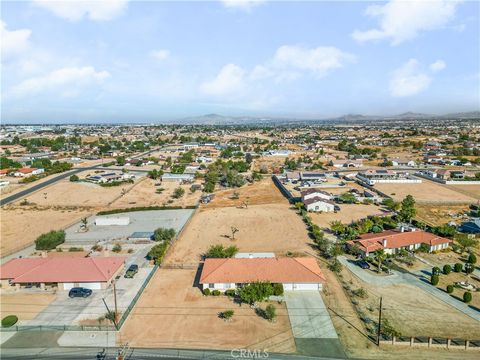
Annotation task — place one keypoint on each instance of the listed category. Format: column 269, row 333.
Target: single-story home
column 312, row 193
column 392, row 241
column 346, row 163
column 318, row 204
column 63, row 272
column 470, row 227
column 401, row 162
column 293, row 273
column 178, row 177
column 25, row 172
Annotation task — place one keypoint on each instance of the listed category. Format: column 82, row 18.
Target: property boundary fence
column 431, row 342
column 282, row 188
column 58, row 328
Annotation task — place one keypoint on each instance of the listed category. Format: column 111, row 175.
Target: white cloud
column 245, row 5
column 404, row 20
column 438, row 66
column 13, row 42
column 230, row 79
column 65, row 80
column 75, row 10
column 161, row 55
column 409, row 80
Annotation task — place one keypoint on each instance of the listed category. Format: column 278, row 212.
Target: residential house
column 293, row 273
column 318, row 204
column 25, row 172
column 470, row 227
column 401, row 162
column 346, row 163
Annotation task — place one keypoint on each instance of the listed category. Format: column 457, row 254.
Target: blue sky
column 120, row 60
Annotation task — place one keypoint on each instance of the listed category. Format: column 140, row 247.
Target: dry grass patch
column 24, row 306
column 347, row 214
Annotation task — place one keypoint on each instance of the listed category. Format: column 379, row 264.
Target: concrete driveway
column 308, row 315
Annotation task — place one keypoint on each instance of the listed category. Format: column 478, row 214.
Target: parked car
column 363, row 264
column 79, row 292
column 131, row 271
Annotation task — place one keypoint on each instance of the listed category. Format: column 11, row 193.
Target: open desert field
column 262, row 228
column 173, row 313
column 25, row 306
column 20, row 226
column 261, row 192
column 347, row 214
column 426, row 192
column 144, row 194
column 469, row 190
column 438, row 214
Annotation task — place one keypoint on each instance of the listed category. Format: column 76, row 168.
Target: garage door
column 93, row 286
column 67, row 286
column 305, row 286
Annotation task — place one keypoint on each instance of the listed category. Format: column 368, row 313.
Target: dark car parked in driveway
column 363, row 264
column 132, row 270
column 79, row 292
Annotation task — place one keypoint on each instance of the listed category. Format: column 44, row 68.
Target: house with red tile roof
column 293, row 273
column 392, row 241
column 24, row 172
column 63, row 272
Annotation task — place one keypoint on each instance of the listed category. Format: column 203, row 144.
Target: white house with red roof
column 392, row 241
column 293, row 273
column 25, row 172
column 63, row 272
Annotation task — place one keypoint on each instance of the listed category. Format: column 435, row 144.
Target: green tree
column 50, row 240
column 254, row 292
column 407, row 210
column 164, row 234
column 120, row 160
column 74, row 178
column 466, row 242
column 434, row 279
column 467, row 297
column 178, row 193
column 219, row 251
column 380, row 257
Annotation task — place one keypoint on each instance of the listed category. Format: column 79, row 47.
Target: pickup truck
column 131, row 271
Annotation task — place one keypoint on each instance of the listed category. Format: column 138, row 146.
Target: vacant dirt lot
column 174, row 313
column 144, row 194
column 261, row 192
column 437, row 214
column 262, row 228
column 20, row 226
column 25, row 306
column 427, row 191
column 469, row 190
column 347, row 214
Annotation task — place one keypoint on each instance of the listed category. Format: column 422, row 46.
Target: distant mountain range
column 216, row 119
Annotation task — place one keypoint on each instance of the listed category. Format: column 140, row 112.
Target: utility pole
column 108, row 310
column 379, row 322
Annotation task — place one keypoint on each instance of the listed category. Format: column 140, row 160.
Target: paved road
column 420, row 280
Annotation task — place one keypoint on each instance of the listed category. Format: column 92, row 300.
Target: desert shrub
column 206, row 291
column 219, row 251
column 74, row 178
column 117, row 248
column 434, row 280
column 50, row 240
column 75, row 249
column 227, row 314
column 361, row 293
column 9, row 320
column 158, row 252
column 458, row 267
column 447, row 269
column 472, row 259
column 277, row 289
column 97, row 247
column 270, row 312
column 163, row 234
column 230, row 292
column 178, row 193
column 467, row 296
column 449, row 289
column 216, row 292
column 436, row 270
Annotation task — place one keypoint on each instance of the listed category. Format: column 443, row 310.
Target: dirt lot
column 469, row 190
column 347, row 214
column 261, row 192
column 262, row 228
column 20, row 226
column 437, row 214
column 173, row 313
column 25, row 306
column 144, row 194
column 427, row 191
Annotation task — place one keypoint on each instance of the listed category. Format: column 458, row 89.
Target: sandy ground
column 20, row 226
column 144, row 194
column 262, row 228
column 173, row 313
column 347, row 214
column 260, row 192
column 25, row 306
column 469, row 190
column 427, row 191
column 434, row 214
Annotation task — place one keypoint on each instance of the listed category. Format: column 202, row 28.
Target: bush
column 9, row 320
column 117, row 248
column 158, row 252
column 220, row 252
column 270, row 312
column 256, row 291
column 74, row 178
column 458, row 267
column 467, row 297
column 472, row 259
column 75, row 249
column 469, row 268
column 216, row 292
column 447, row 269
column 178, row 193
column 277, row 289
column 434, row 280
column 449, row 289
column 206, row 291
column 436, row 270
column 227, row 314
column 162, row 234
column 50, row 240
column 230, row 292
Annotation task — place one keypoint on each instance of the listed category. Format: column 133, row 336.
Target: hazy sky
column 146, row 61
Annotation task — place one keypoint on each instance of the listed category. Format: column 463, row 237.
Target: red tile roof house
column 393, row 240
column 23, row 172
column 292, row 273
column 63, row 272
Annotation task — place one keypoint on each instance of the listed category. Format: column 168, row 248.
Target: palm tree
column 84, row 223
column 380, row 256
